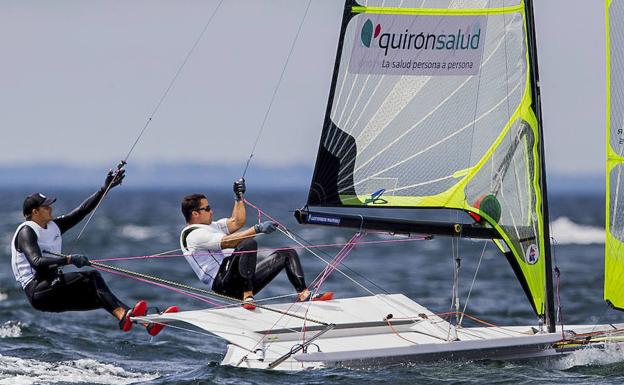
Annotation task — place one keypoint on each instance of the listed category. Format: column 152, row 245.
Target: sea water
column 87, row 347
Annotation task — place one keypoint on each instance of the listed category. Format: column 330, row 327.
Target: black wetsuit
column 239, row 272
column 54, row 291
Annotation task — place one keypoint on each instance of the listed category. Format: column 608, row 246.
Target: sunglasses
column 206, row 209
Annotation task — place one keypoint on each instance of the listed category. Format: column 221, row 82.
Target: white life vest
column 48, row 239
column 201, row 245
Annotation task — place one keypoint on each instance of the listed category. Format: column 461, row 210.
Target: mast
column 537, row 108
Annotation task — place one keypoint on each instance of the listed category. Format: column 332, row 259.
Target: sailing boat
column 433, row 104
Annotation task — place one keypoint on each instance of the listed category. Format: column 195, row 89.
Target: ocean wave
column 141, row 233
column 19, row 371
column 11, row 329
column 611, row 354
column 567, row 232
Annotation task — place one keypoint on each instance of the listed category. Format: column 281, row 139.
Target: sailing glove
column 239, row 189
column 79, row 260
column 114, row 178
column 265, row 227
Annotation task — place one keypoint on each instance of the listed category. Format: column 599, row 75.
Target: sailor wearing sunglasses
column 224, row 255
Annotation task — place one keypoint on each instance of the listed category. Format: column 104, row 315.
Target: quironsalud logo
column 369, row 32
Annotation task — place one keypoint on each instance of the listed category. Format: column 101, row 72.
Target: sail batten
column 438, row 11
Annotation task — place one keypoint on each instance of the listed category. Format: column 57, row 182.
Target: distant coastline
column 166, row 176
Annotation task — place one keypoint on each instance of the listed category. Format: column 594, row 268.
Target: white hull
column 363, row 335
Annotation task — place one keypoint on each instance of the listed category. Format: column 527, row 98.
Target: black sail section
column 332, row 165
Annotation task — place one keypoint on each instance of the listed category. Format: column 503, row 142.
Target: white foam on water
column 567, row 232
column 19, row 371
column 11, row 329
column 5, row 240
column 141, row 233
column 591, row 357
column 3, row 296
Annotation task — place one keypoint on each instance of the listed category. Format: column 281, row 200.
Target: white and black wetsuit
column 232, row 272
column 239, row 273
column 47, row 288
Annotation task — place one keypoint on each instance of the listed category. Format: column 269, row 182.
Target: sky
column 78, row 81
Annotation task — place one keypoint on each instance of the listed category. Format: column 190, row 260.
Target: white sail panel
column 419, row 131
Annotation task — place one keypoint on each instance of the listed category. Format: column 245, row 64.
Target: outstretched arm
column 71, row 219
column 67, row 221
column 232, row 240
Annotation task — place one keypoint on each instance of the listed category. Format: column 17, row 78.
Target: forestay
column 614, row 245
column 432, row 105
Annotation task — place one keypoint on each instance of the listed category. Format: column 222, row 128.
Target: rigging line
column 208, row 292
column 474, row 278
column 305, row 247
column 279, row 82
column 150, row 118
column 187, row 287
column 97, row 206
column 333, row 264
column 174, row 79
column 291, row 235
column 450, row 326
column 166, row 254
column 456, row 285
column 179, row 291
column 327, row 262
column 197, row 332
column 557, row 272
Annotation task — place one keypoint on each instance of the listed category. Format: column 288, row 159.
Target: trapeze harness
column 48, row 288
column 238, row 272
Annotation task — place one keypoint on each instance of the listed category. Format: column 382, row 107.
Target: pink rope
column 160, row 285
column 260, row 211
column 333, row 265
column 265, row 250
column 317, row 282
